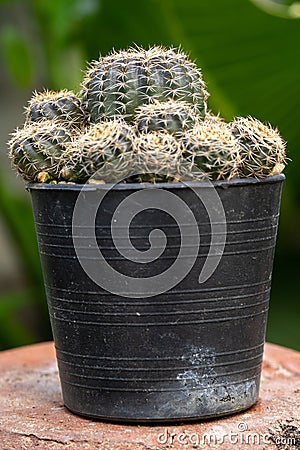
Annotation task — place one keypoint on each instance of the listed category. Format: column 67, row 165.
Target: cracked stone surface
column 32, row 414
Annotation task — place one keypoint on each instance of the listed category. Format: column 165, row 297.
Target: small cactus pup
column 262, row 149
column 62, row 106
column 118, row 83
column 155, row 158
column 171, row 116
column 99, row 153
column 36, row 150
column 211, row 151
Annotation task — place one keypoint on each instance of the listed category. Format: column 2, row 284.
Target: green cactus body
column 37, row 148
column 262, row 149
column 142, row 117
column 155, row 157
column 119, row 83
column 98, row 153
column 63, row 106
column 171, row 116
column 211, row 151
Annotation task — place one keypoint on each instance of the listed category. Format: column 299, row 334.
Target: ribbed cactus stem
column 156, row 157
column 118, row 83
column 171, row 116
column 211, row 151
column 262, row 149
column 98, row 152
column 62, row 106
column 37, row 148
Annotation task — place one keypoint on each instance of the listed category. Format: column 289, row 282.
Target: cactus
column 118, row 83
column 36, row 150
column 62, row 106
column 171, row 116
column 262, row 150
column 142, row 111
column 211, row 150
column 98, row 152
column 210, row 117
column 156, row 157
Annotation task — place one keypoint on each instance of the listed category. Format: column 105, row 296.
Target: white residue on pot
column 200, row 367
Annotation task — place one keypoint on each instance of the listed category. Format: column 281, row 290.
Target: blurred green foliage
column 249, row 59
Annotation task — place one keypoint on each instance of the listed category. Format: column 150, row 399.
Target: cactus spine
column 63, row 106
column 98, row 152
column 171, row 116
column 262, row 150
column 120, row 82
column 211, row 150
column 156, row 157
column 36, row 150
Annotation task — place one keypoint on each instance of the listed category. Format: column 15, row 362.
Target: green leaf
column 13, row 330
column 60, row 18
column 286, row 9
column 17, row 213
column 16, row 55
column 250, row 57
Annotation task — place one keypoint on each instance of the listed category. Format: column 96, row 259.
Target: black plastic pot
column 194, row 351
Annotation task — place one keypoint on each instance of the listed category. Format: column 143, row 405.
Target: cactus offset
column 62, row 106
column 211, row 150
column 171, row 116
column 37, row 148
column 120, row 82
column 210, row 117
column 262, row 149
column 156, row 157
column 98, row 152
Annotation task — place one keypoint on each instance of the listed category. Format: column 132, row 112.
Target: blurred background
column 249, row 54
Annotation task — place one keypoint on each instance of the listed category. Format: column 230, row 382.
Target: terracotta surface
column 32, row 414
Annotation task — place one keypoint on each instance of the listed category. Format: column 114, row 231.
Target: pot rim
column 171, row 185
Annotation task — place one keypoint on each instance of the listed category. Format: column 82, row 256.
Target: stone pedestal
column 32, row 414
